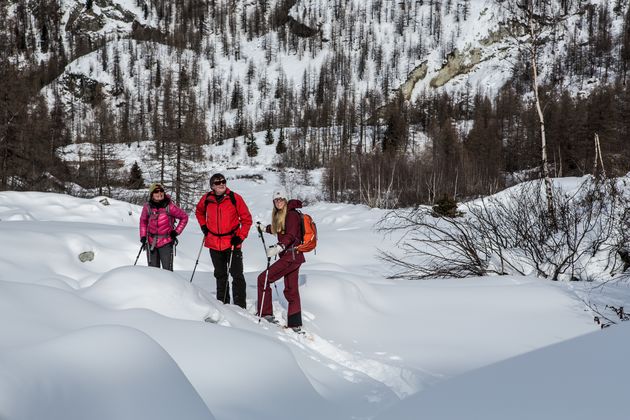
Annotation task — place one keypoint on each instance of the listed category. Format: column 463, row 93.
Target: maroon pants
column 290, row 270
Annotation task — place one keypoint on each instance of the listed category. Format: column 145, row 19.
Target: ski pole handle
column 260, row 233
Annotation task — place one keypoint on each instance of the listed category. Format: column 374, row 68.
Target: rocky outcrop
column 115, row 11
column 495, row 36
column 300, row 29
column 82, row 21
column 414, row 77
column 457, row 63
column 80, row 86
column 91, row 20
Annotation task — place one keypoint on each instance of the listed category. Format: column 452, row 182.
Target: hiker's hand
column 205, row 230
column 173, row 234
column 274, row 250
column 236, row 240
column 143, row 241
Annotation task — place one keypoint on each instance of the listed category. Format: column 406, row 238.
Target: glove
column 205, row 230
column 236, row 240
column 173, row 234
column 274, row 250
column 143, row 240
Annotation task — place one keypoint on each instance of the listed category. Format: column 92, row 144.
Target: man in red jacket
column 225, row 221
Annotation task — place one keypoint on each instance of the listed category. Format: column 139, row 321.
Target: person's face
column 279, row 203
column 219, row 186
column 158, row 194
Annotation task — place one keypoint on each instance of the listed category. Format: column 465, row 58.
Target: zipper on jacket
column 218, row 219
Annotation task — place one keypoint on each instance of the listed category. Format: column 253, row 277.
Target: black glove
column 173, row 234
column 143, row 240
column 205, row 230
column 236, row 240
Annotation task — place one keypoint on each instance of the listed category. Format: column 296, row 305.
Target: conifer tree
column 136, row 178
column 281, row 147
column 252, row 147
column 269, row 137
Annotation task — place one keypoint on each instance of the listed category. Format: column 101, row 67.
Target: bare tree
column 531, row 22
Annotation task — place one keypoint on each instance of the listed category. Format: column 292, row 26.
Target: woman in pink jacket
column 158, row 232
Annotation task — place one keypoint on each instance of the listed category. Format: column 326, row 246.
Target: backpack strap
column 168, row 213
column 231, row 195
column 302, row 230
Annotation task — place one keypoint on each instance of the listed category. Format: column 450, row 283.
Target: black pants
column 163, row 254
column 221, row 260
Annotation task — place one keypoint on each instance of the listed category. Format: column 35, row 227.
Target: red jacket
column 223, row 219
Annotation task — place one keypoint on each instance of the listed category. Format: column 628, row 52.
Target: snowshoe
column 297, row 330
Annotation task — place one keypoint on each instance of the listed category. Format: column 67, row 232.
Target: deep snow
column 117, row 341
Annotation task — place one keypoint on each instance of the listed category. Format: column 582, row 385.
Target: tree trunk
column 541, row 118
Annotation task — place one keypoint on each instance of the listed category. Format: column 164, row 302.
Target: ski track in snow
column 403, row 382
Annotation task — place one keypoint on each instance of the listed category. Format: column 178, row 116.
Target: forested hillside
column 401, row 101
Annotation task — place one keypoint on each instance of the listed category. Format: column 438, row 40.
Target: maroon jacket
column 292, row 236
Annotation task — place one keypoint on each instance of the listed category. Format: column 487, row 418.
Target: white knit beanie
column 280, row 194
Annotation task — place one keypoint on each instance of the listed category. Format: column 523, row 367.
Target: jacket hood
column 294, row 204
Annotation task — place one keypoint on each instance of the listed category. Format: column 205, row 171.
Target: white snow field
column 104, row 339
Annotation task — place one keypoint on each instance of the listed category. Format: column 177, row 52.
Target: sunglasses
column 223, row 181
column 158, row 190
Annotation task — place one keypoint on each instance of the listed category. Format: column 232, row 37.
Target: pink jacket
column 156, row 223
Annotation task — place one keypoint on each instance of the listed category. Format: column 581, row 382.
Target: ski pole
column 173, row 254
column 262, row 300
column 139, row 252
column 198, row 255
column 260, row 232
column 227, row 282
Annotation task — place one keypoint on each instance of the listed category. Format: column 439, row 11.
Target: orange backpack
column 309, row 233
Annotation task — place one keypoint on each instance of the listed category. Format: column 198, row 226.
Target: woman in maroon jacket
column 157, row 227
column 287, row 224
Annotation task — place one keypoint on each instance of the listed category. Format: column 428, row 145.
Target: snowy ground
column 103, row 339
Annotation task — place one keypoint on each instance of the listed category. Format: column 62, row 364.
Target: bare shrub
column 513, row 233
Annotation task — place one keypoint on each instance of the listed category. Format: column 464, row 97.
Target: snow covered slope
column 125, row 337
column 580, row 379
column 320, row 51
